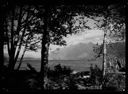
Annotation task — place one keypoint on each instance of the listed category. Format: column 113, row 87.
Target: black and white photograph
column 62, row 45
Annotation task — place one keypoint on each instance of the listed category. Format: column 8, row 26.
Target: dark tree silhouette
column 22, row 25
column 113, row 25
column 58, row 23
column 53, row 21
column 2, row 18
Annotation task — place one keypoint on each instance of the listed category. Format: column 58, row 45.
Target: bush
column 114, row 81
column 95, row 75
column 61, row 78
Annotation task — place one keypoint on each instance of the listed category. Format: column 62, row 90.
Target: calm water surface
column 77, row 65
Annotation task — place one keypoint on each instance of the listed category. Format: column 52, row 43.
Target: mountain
column 84, row 51
column 117, row 49
column 74, row 52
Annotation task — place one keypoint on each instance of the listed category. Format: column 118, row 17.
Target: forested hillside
column 116, row 49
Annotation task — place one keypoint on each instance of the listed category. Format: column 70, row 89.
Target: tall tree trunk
column 104, row 53
column 21, row 59
column 15, row 50
column 2, row 19
column 104, row 65
column 45, row 49
column 12, row 54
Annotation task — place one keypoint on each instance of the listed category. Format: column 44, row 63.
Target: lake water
column 77, row 65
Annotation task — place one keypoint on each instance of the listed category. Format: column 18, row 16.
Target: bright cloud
column 85, row 37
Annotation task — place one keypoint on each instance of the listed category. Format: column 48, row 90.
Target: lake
column 77, row 65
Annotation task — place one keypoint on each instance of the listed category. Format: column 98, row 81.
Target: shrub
column 95, row 75
column 61, row 78
column 114, row 81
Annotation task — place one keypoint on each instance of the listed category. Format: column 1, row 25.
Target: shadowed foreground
column 60, row 78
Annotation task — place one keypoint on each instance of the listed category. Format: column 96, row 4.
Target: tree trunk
column 12, row 52
column 2, row 19
column 104, row 53
column 21, row 59
column 104, row 65
column 45, row 49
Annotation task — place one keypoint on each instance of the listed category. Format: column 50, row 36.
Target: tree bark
column 2, row 19
column 11, row 58
column 21, row 40
column 104, row 65
column 45, row 49
column 21, row 59
column 104, row 53
column 15, row 50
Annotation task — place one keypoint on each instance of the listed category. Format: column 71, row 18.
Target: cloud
column 83, row 55
column 74, row 52
column 33, row 54
column 85, row 37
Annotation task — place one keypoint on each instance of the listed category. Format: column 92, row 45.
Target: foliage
column 59, row 71
column 73, row 81
column 115, row 54
column 21, row 29
column 20, row 80
column 98, row 50
column 117, row 49
column 95, row 75
column 53, row 22
column 115, row 81
column 112, row 19
column 61, row 78
column 113, row 22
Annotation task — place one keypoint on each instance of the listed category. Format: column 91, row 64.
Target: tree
column 57, row 20
column 58, row 23
column 95, row 75
column 61, row 76
column 2, row 18
column 22, row 25
column 113, row 27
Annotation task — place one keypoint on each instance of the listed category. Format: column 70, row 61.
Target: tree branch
column 12, row 33
column 19, row 48
column 19, row 24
